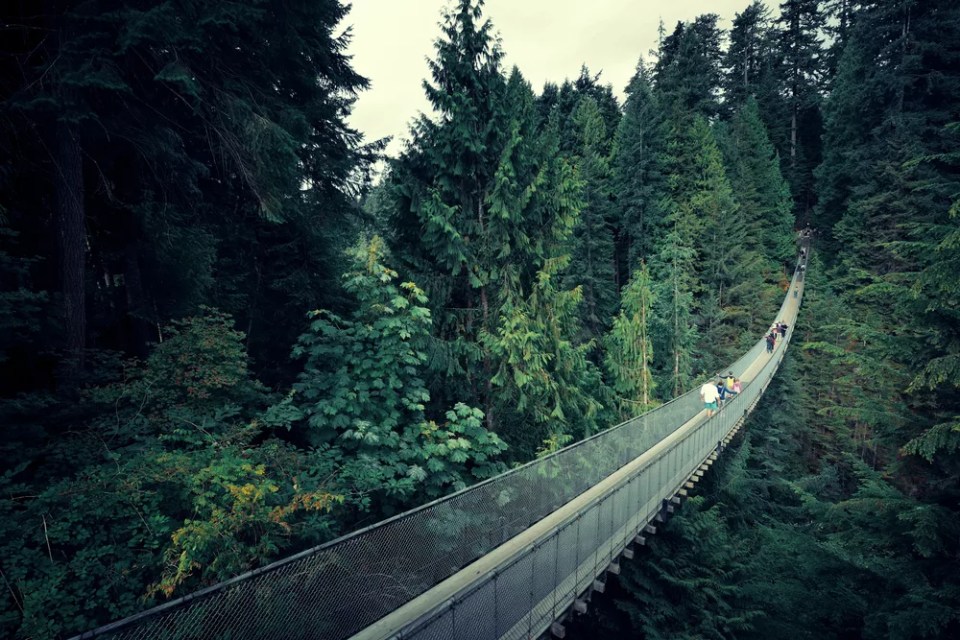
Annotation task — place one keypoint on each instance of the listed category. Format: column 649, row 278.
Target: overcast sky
column 546, row 39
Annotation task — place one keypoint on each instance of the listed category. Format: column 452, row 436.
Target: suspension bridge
column 505, row 559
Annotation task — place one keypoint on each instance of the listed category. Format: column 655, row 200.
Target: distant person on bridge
column 771, row 341
column 730, row 383
column 783, row 329
column 710, row 397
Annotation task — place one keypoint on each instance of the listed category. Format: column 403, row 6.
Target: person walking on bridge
column 771, row 341
column 709, row 395
column 730, row 383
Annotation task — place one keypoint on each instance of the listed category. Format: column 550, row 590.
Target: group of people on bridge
column 778, row 331
column 715, row 392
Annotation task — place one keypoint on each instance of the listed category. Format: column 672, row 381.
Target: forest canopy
column 226, row 339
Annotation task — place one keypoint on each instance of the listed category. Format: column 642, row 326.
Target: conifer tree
column 592, row 260
column 567, row 97
column 192, row 137
column 688, row 72
column 748, row 59
column 637, row 174
column 547, row 388
column 629, row 347
column 484, row 213
column 701, row 265
column 800, row 50
column 730, row 282
column 675, row 268
column 442, row 182
column 764, row 196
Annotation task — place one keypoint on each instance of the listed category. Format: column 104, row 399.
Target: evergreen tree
column 800, row 50
column 638, row 174
column 443, row 180
column 188, row 140
column 708, row 287
column 748, row 56
column 592, row 261
column 629, row 347
column 752, row 68
column 688, row 72
column 567, row 97
column 762, row 193
column 547, row 389
column 482, row 207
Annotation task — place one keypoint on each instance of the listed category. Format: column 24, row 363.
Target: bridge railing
column 332, row 591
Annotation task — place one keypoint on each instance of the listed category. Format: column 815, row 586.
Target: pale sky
column 546, row 39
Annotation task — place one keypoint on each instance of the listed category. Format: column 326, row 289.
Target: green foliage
column 688, row 69
column 696, row 567
column 629, row 347
column 638, row 173
column 705, row 284
column 20, row 307
column 548, row 235
column 761, row 191
column 486, row 205
column 592, row 260
column 216, row 165
column 174, row 484
column 362, row 395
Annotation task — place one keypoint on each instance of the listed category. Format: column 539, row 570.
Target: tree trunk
column 71, row 237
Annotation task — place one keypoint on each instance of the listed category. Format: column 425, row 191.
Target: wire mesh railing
column 334, row 590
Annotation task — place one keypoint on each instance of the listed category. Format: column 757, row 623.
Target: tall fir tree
column 638, row 176
column 629, row 347
column 752, row 67
column 592, row 264
column 442, row 182
column 753, row 166
column 482, row 205
column 688, row 72
column 191, row 138
column 800, row 52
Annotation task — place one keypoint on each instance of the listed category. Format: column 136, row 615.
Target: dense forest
column 225, row 338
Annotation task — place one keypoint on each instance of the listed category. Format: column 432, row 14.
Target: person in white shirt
column 709, row 395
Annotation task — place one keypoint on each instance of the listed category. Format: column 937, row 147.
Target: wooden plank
column 675, row 499
column 598, row 586
column 614, row 568
column 683, row 492
column 628, row 554
column 640, row 540
column 650, row 529
column 580, row 606
column 557, row 630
